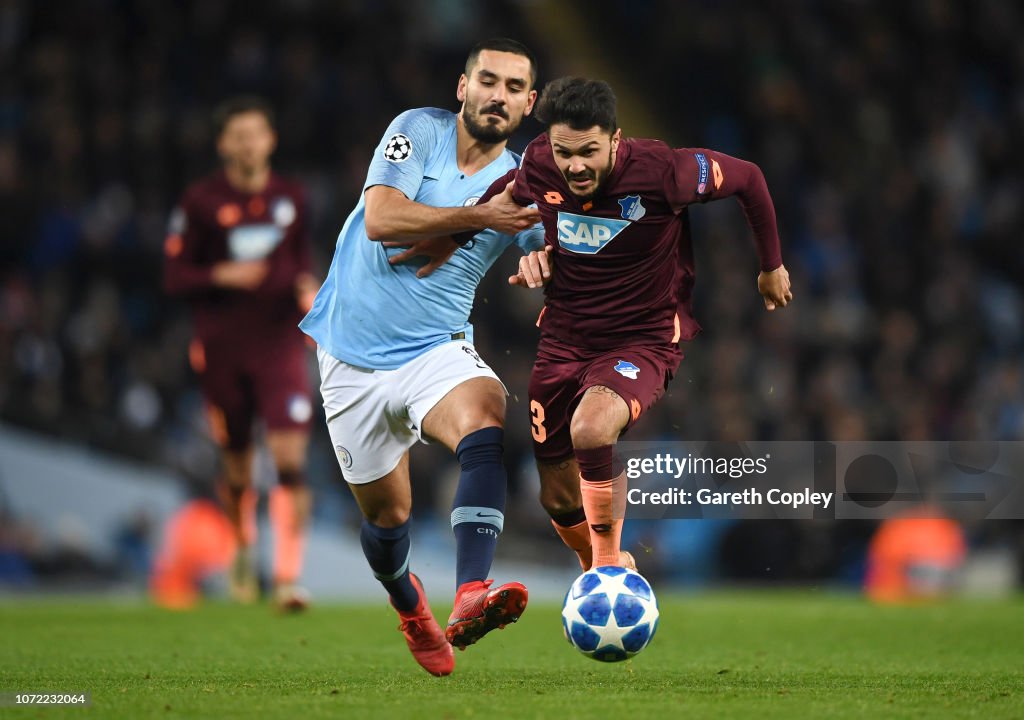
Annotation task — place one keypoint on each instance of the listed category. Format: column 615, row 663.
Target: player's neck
column 473, row 155
column 245, row 181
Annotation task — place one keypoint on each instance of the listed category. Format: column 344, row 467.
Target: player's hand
column 436, row 249
column 240, row 274
column 775, row 288
column 505, row 215
column 534, row 269
column 306, row 287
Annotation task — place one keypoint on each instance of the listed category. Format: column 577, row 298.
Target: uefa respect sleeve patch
column 702, row 173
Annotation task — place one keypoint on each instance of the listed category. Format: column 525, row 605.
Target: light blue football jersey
column 375, row 315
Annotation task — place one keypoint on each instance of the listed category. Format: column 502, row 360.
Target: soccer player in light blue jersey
column 397, row 363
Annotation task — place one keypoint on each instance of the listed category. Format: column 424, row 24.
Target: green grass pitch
column 722, row 655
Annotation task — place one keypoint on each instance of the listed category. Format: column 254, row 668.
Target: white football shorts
column 374, row 416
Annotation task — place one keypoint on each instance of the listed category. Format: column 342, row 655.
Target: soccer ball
column 610, row 613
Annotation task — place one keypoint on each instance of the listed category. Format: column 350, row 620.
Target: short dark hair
column 236, row 106
column 502, row 45
column 579, row 103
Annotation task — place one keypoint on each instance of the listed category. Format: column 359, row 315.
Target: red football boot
column 478, row 610
column 424, row 637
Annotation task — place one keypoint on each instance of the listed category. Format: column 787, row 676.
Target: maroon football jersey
column 215, row 222
column 624, row 263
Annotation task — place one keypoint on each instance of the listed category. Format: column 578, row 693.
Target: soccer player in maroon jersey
column 616, row 228
column 237, row 251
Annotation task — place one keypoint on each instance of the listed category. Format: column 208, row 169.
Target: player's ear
column 460, row 92
column 531, row 99
column 616, row 136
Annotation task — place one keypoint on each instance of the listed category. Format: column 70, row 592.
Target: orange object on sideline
column 914, row 558
column 198, row 542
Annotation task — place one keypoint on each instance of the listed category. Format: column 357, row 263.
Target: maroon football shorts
column 265, row 380
column 562, row 373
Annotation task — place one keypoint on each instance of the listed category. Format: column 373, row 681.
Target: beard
column 598, row 176
column 480, row 128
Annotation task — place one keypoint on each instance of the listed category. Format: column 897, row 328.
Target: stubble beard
column 483, row 131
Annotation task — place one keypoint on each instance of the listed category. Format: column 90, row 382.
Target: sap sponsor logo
column 627, row 369
column 253, row 242
column 632, row 208
column 587, row 235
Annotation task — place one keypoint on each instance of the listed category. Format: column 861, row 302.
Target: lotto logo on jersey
column 587, row 235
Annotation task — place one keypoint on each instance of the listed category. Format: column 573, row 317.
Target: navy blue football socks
column 478, row 511
column 387, row 551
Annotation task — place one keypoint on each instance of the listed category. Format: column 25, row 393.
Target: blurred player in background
column 618, row 302
column 237, row 251
column 397, row 363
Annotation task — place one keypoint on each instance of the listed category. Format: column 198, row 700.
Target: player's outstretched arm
column 702, row 175
column 775, row 288
column 534, row 269
column 393, row 217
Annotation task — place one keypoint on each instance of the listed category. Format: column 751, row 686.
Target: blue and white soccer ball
column 610, row 613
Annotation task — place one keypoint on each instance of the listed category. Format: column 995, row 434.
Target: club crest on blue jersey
column 627, row 369
column 587, row 235
column 632, row 208
column 702, row 173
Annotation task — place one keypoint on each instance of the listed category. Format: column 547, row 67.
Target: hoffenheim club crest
column 632, row 208
column 627, row 369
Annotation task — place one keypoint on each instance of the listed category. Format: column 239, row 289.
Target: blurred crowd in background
column 891, row 136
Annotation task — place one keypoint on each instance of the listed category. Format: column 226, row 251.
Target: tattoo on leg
column 602, row 390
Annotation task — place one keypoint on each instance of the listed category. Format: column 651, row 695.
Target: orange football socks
column 289, row 510
column 603, row 486
column 577, row 537
column 605, row 504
